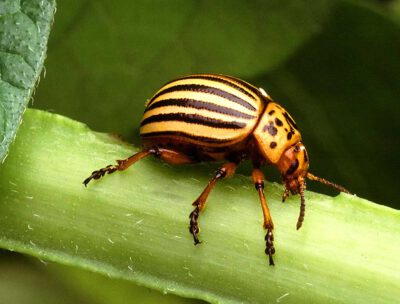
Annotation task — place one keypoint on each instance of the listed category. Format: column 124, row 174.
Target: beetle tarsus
column 121, row 164
column 270, row 250
column 194, row 226
column 100, row 173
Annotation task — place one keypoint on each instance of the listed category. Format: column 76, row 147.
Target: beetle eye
column 296, row 149
column 293, row 167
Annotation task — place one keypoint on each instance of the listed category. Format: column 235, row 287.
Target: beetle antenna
column 324, row 181
column 300, row 220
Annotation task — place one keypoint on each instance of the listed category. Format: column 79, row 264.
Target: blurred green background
column 334, row 65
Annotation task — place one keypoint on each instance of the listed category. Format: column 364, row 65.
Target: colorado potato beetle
column 210, row 117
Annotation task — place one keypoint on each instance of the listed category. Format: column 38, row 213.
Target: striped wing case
column 205, row 109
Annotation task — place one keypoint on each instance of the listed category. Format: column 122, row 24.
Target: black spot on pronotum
column 270, row 127
column 271, row 112
column 293, row 167
column 278, row 122
column 272, row 145
column 289, row 135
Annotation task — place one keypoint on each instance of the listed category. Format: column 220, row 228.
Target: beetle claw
column 194, row 226
column 100, row 173
column 270, row 250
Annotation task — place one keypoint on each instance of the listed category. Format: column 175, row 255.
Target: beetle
column 212, row 117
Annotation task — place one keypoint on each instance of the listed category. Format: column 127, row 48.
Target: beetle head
column 293, row 165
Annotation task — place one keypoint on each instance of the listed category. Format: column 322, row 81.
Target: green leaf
column 133, row 225
column 24, row 30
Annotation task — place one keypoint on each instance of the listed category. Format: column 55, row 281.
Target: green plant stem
column 134, row 225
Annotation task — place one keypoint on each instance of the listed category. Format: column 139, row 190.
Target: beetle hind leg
column 167, row 155
column 121, row 165
column 226, row 170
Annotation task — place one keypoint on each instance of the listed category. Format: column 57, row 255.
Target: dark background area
column 334, row 65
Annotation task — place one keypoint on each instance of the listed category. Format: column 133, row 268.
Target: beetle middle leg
column 226, row 170
column 258, row 179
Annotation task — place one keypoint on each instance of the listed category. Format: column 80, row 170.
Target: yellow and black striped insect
column 209, row 117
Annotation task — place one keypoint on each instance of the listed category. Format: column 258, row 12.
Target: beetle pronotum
column 209, row 117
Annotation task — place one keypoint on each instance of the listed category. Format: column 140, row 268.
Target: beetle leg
column 169, row 156
column 258, row 179
column 121, row 165
column 226, row 170
column 173, row 157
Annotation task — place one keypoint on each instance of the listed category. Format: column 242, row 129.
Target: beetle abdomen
column 206, row 109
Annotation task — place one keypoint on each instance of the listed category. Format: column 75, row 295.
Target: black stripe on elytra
column 187, row 135
column 207, row 90
column 194, row 119
column 247, row 86
column 219, row 79
column 201, row 105
column 278, row 122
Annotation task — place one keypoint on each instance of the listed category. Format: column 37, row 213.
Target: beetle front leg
column 226, row 170
column 258, row 179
